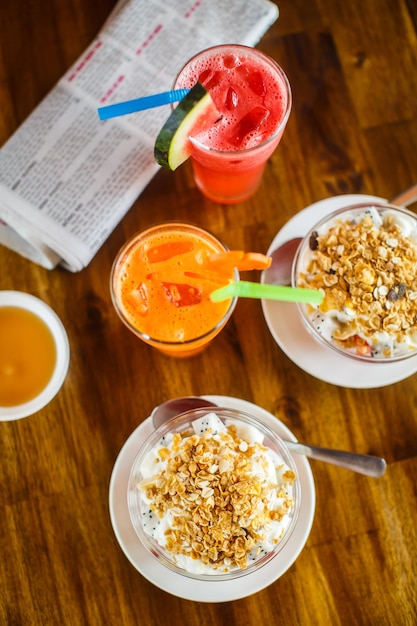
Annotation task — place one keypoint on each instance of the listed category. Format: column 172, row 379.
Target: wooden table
column 353, row 129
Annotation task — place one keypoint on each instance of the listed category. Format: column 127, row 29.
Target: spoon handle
column 407, row 197
column 362, row 463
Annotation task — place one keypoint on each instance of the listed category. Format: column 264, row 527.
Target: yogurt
column 216, row 497
column 365, row 261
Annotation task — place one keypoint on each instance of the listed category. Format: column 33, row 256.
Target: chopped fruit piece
column 254, row 261
column 362, row 347
column 196, row 110
column 226, row 261
column 182, row 294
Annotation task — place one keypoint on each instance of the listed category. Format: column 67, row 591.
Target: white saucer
column 188, row 588
column 288, row 330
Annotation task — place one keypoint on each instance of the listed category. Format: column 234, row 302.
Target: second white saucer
column 295, row 341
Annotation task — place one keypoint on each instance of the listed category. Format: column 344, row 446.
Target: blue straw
column 141, row 104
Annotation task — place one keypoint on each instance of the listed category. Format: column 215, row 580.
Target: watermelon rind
column 172, row 145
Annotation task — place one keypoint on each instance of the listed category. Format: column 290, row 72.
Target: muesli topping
column 220, row 497
column 368, row 272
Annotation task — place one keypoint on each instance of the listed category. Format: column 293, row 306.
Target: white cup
column 36, row 306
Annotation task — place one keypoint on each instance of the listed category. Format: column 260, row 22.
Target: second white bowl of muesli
column 214, row 494
column 364, row 258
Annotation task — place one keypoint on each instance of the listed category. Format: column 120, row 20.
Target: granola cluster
column 369, row 273
column 217, row 490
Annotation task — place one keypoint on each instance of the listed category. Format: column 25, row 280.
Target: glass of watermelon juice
column 160, row 284
column 253, row 97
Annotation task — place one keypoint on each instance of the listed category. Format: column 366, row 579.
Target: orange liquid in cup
column 27, row 356
column 160, row 286
column 253, row 97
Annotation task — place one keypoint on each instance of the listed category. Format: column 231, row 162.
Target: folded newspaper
column 67, row 179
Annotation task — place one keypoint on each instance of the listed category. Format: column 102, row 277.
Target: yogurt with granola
column 215, row 498
column 365, row 261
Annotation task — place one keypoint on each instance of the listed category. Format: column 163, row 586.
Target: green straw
column 245, row 289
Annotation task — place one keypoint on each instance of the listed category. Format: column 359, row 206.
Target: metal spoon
column 279, row 272
column 362, row 463
column 407, row 197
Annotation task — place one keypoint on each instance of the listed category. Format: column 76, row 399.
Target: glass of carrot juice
column 160, row 284
column 253, row 97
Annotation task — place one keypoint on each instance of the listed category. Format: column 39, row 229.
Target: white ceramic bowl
column 374, row 269
column 49, row 317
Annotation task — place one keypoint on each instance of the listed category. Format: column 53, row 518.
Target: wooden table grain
column 353, row 129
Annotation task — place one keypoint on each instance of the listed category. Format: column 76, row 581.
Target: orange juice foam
column 161, row 286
